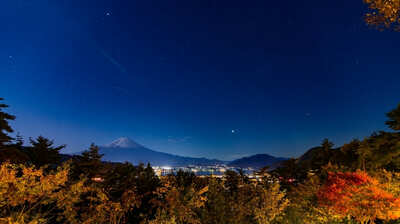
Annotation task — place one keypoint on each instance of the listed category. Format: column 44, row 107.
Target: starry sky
column 217, row 79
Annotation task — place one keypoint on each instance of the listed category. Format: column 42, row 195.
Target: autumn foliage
column 383, row 13
column 323, row 186
column 357, row 195
column 29, row 195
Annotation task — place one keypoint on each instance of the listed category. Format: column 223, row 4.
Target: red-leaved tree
column 359, row 196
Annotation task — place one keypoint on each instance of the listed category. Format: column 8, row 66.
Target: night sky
column 219, row 79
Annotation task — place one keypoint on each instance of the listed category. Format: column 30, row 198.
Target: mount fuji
column 126, row 150
column 124, row 142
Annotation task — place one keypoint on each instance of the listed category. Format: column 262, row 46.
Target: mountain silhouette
column 126, row 150
column 257, row 161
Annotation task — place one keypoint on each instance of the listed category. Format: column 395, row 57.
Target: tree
column 29, row 195
column 19, row 140
column 379, row 151
column 14, row 153
column 304, row 207
column 323, row 156
column 43, row 152
column 383, row 14
column 93, row 153
column 8, row 151
column 234, row 180
column 288, row 169
column 327, row 153
column 88, row 163
column 360, row 196
column 269, row 203
column 4, row 126
column 217, row 208
column 348, row 156
column 394, row 119
column 25, row 191
column 327, row 145
column 364, row 153
column 178, row 204
column 123, row 180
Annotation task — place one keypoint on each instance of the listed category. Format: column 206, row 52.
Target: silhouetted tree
column 19, row 140
column 8, row 151
column 4, row 125
column 13, row 154
column 217, row 209
column 348, row 155
column 327, row 145
column 120, row 177
column 88, row 163
column 233, row 181
column 394, row 119
column 43, row 152
column 318, row 157
column 288, row 169
column 92, row 154
column 146, row 186
column 184, row 179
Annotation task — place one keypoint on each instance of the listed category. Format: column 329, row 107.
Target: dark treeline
column 358, row 182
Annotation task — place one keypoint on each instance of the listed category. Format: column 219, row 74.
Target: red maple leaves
column 357, row 195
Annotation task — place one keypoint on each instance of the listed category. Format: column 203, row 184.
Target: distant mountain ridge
column 257, row 161
column 127, row 150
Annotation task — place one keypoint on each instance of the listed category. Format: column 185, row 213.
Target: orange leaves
column 178, row 204
column 269, row 203
column 28, row 195
column 341, row 186
column 358, row 195
column 383, row 13
column 23, row 190
column 20, row 184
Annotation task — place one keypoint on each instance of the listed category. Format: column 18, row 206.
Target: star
column 233, row 131
column 108, row 14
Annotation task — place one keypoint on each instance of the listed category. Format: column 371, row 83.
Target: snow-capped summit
column 124, row 142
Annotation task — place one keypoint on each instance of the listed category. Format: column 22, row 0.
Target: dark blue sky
column 179, row 76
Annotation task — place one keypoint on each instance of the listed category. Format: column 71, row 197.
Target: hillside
column 257, row 161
